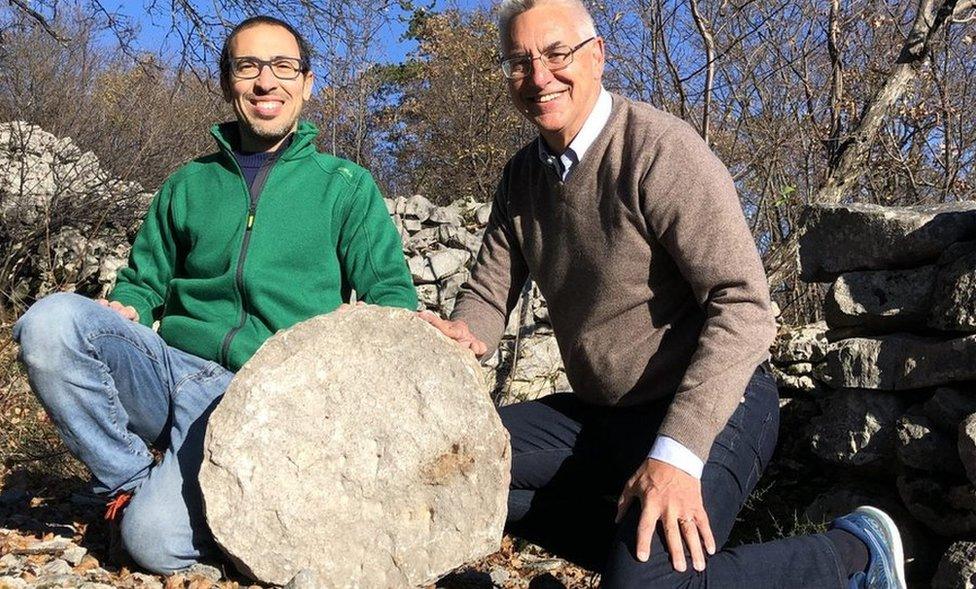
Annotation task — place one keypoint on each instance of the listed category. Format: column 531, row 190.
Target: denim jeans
column 113, row 389
column 570, row 461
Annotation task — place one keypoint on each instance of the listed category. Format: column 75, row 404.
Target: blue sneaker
column 886, row 556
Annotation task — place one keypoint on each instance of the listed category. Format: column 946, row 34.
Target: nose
column 266, row 79
column 540, row 75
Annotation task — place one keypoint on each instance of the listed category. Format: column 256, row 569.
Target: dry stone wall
column 59, row 216
column 893, row 366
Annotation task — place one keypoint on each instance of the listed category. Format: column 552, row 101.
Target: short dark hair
column 304, row 49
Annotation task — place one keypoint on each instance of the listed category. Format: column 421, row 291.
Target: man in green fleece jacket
column 633, row 232
column 236, row 245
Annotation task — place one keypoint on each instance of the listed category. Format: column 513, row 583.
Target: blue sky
column 154, row 35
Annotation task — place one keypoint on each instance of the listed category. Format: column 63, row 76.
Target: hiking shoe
column 886, row 558
column 113, row 515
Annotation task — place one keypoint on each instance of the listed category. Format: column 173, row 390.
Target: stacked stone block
column 894, row 364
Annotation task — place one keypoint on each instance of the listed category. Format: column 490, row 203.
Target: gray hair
column 509, row 9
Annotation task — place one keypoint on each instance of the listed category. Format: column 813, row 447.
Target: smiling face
column 267, row 108
column 555, row 102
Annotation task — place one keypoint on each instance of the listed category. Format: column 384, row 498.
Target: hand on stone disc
column 457, row 331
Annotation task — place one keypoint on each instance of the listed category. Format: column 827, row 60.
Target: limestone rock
column 880, row 299
column 417, row 207
column 954, row 300
column 482, row 213
column 807, row 343
column 446, row 216
column 945, row 508
column 537, row 372
column 957, row 569
column 899, row 361
column 420, row 270
column 360, row 445
column 447, row 261
column 857, row 427
column 947, row 407
column 967, row 446
column 924, row 447
column 838, row 238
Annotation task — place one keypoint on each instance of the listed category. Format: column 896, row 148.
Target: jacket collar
column 226, row 135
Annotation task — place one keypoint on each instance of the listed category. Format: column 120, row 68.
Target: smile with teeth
column 267, row 107
column 547, row 97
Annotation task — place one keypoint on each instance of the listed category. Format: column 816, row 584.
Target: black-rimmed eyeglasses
column 283, row 68
column 555, row 59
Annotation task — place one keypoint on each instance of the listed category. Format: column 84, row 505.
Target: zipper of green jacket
column 254, row 194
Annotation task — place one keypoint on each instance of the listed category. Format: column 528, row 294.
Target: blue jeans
column 113, row 389
column 570, row 461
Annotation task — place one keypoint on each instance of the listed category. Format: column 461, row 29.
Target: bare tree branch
column 39, row 18
column 704, row 29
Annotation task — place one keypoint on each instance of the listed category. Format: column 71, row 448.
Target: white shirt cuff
column 677, row 455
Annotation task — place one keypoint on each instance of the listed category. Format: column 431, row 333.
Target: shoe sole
column 893, row 537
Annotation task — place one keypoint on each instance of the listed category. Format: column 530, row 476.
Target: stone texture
column 857, row 428
column 899, row 361
column 967, row 446
column 957, row 569
column 447, row 261
column 360, row 445
column 954, row 300
column 807, row 343
column 922, row 446
column 446, row 216
column 947, row 407
column 946, row 508
column 417, row 207
column 880, row 299
column 839, row 238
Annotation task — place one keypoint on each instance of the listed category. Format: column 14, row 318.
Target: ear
column 599, row 55
column 308, row 84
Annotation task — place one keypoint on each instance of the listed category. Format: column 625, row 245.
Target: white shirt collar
column 587, row 134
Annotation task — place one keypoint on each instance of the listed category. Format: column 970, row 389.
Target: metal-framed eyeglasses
column 555, row 59
column 283, row 68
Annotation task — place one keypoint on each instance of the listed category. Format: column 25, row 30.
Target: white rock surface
column 362, row 446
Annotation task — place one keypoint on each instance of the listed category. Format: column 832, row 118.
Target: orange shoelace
column 114, row 507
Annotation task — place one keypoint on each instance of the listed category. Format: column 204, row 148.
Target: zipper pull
column 250, row 219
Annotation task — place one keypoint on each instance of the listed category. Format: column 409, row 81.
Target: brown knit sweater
column 654, row 285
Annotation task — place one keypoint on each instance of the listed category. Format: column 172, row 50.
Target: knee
column 50, row 325
column 151, row 540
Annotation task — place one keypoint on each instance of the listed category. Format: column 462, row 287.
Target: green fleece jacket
column 223, row 270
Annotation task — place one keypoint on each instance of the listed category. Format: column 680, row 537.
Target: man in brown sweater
column 634, row 234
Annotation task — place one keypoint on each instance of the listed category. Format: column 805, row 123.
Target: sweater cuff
column 677, row 455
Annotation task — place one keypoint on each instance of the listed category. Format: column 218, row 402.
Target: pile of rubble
column 64, row 220
column 893, row 366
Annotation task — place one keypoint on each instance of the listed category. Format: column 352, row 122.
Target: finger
column 689, row 531
column 479, row 347
column 705, row 531
column 430, row 317
column 672, row 535
column 102, row 302
column 645, row 532
column 626, row 497
column 131, row 313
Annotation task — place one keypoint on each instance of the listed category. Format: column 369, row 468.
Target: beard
column 266, row 131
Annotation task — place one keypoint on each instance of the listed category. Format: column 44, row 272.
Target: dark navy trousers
column 570, row 460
